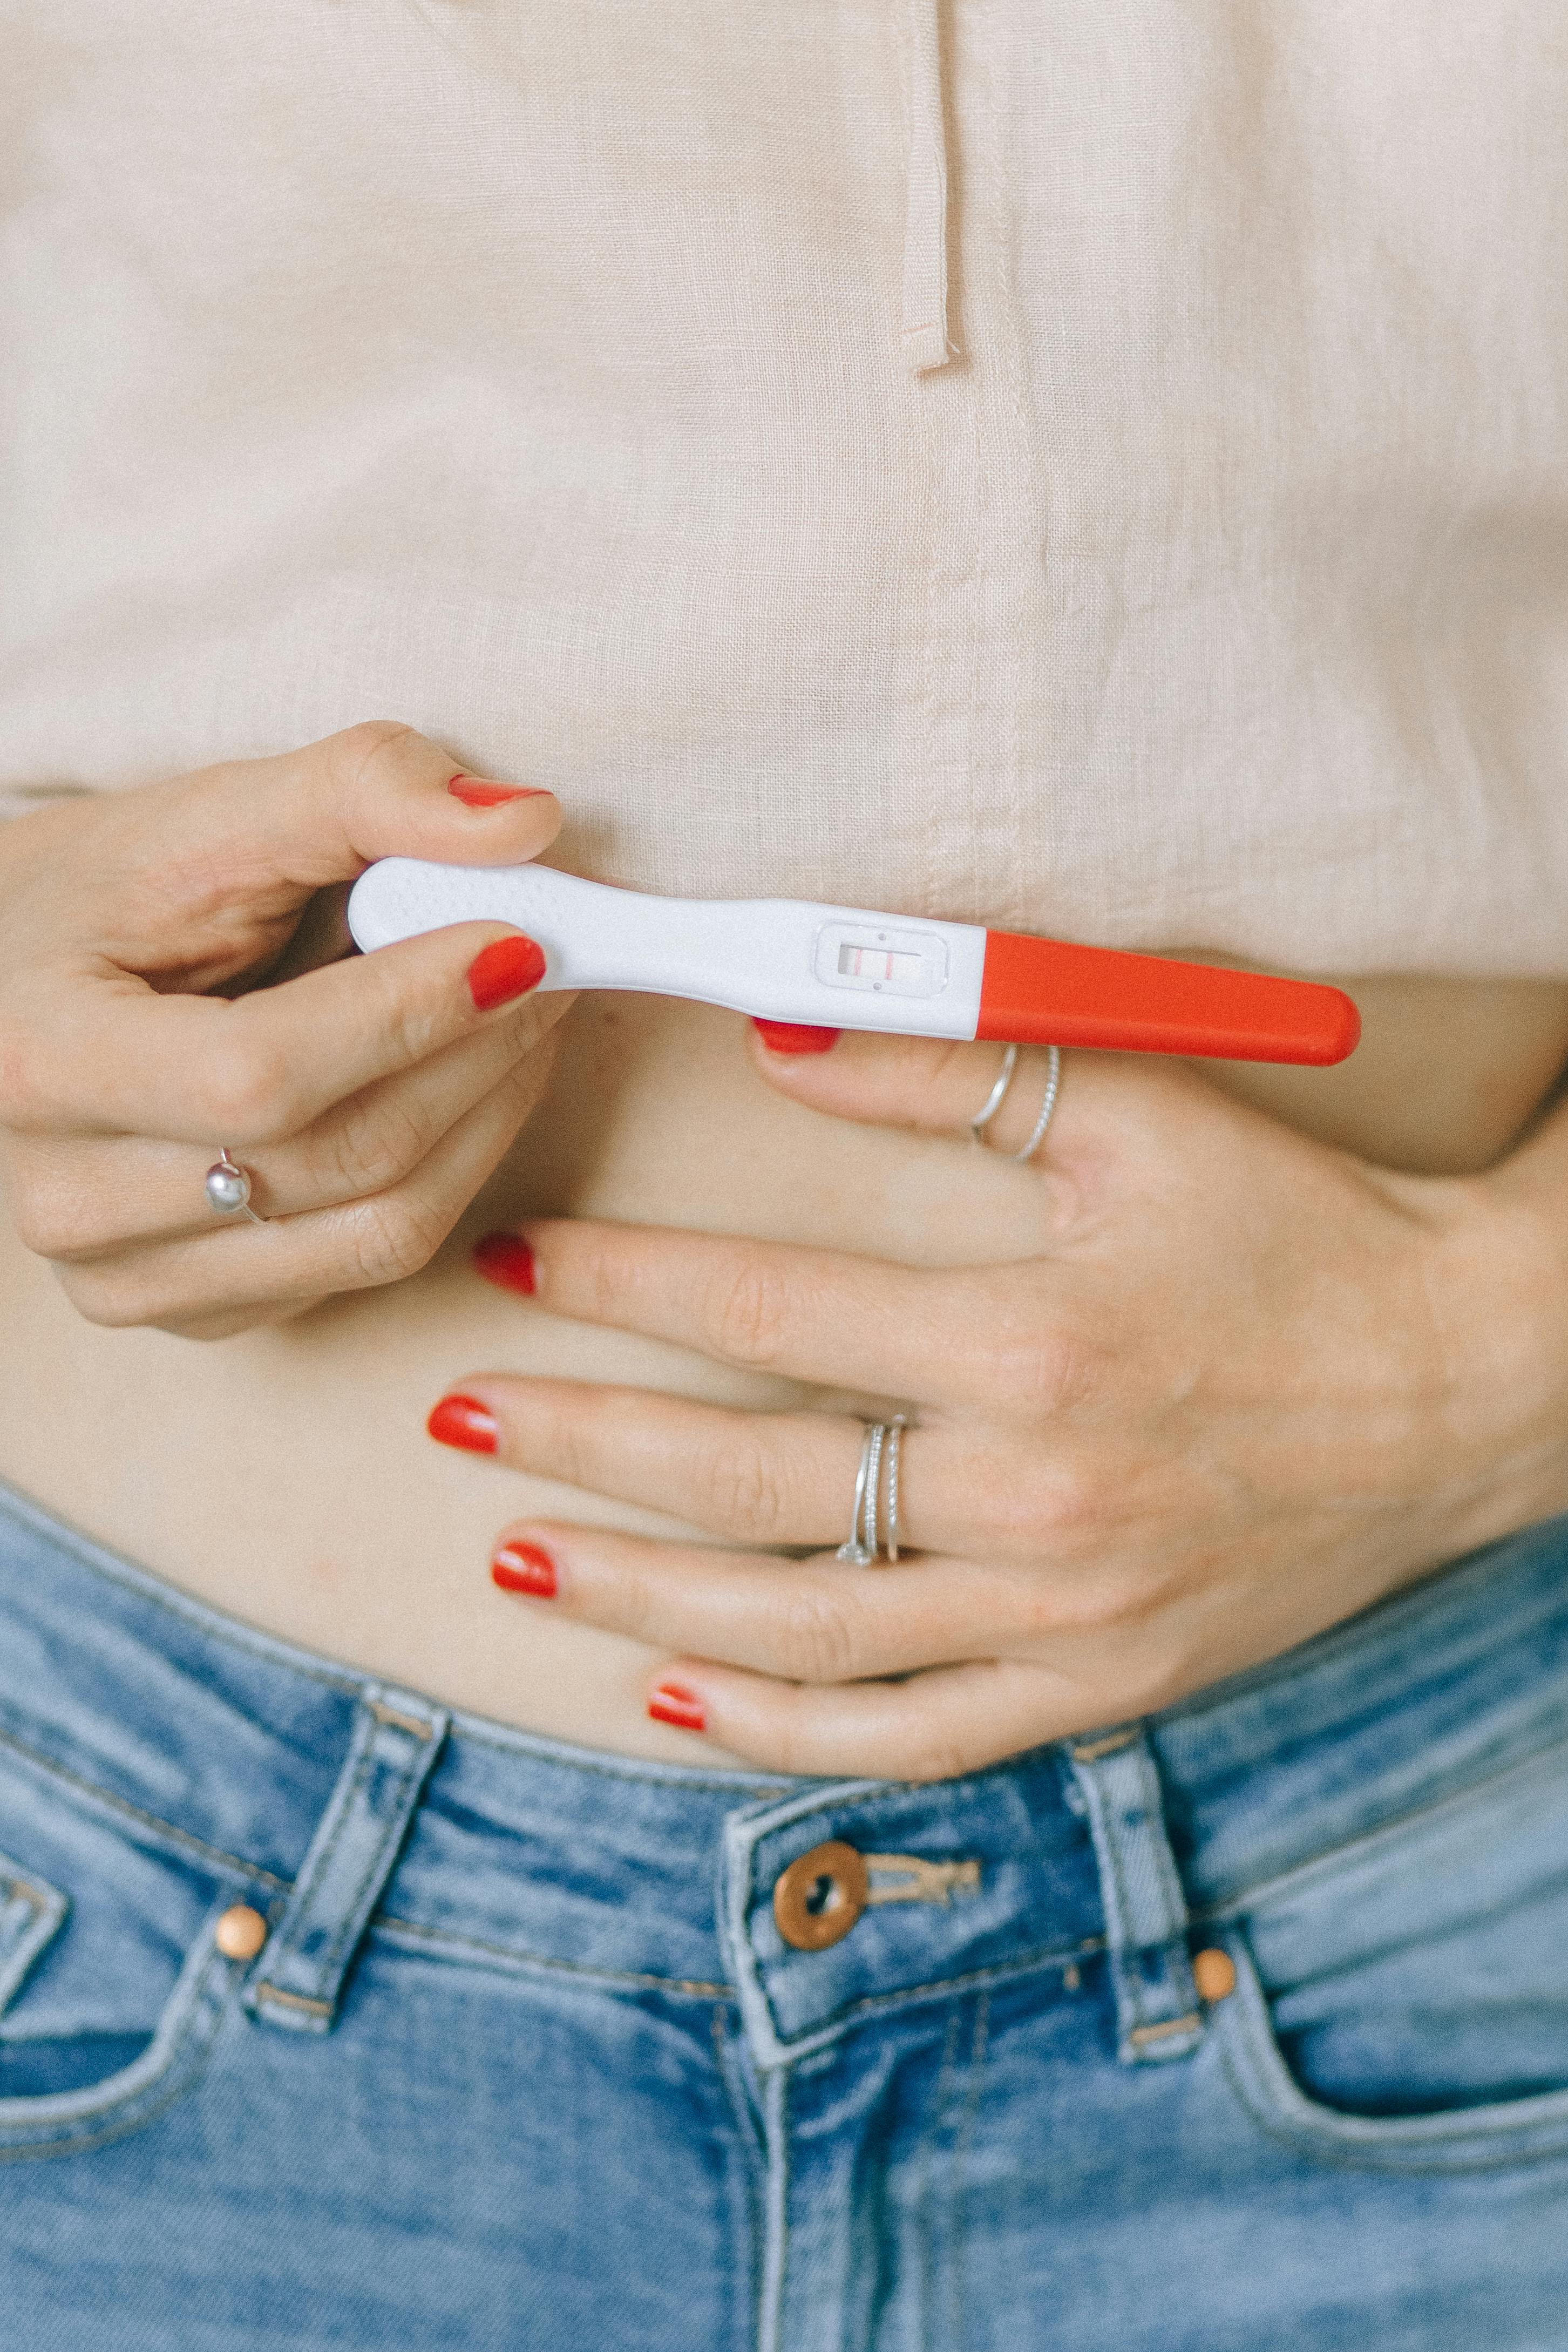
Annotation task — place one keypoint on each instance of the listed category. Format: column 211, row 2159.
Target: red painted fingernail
column 506, row 1260
column 507, row 968
column 520, row 1567
column 475, row 792
column 463, row 1420
column 674, row 1703
column 794, row 1037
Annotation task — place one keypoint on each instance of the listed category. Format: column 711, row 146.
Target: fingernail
column 475, row 792
column 463, row 1420
column 506, row 1260
column 520, row 1567
column 507, row 968
column 794, row 1037
column 674, row 1703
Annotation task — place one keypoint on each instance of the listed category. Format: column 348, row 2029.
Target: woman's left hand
column 1244, row 1386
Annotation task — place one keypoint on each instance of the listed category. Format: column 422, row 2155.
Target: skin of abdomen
column 285, row 1476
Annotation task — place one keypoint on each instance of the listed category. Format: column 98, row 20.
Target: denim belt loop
column 1158, row 2014
column 299, row 1973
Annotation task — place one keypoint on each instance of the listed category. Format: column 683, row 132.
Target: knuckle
column 794, row 1746
column 1109, row 1601
column 818, row 1637
column 1064, row 1511
column 394, row 1234
column 745, row 1313
column 744, row 1493
column 372, row 1147
column 576, row 1441
column 248, row 1091
column 591, row 1268
column 357, row 748
column 1045, row 1375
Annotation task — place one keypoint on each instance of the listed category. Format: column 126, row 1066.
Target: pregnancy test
column 845, row 968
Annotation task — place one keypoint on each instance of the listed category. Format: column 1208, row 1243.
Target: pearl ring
column 228, row 1189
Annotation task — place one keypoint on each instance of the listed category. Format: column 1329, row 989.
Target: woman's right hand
column 174, row 980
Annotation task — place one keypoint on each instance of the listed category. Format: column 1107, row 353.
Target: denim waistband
column 248, row 1755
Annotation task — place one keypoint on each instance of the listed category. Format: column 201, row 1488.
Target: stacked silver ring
column 873, row 1530
column 997, row 1095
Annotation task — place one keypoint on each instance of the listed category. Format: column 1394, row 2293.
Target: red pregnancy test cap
column 1045, row 992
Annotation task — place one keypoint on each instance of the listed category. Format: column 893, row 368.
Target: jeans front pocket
column 1404, row 2002
column 111, row 1989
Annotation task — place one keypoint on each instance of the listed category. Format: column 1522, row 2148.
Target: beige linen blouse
column 1102, row 469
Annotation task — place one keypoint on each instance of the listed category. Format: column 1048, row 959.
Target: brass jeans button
column 1214, row 1973
column 240, row 1933
column 818, row 1898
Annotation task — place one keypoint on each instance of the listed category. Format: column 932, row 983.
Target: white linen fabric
column 1098, row 469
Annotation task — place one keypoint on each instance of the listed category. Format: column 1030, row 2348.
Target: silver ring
column 228, row 1189
column 1052, row 1088
column 994, row 1101
column 865, row 1542
column 997, row 1097
column 895, row 1448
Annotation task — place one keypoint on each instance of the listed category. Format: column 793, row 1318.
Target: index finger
column 827, row 1317
column 117, row 1056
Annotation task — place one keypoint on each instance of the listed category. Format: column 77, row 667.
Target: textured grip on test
column 1046, row 992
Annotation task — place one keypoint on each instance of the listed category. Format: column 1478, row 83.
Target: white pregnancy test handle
column 782, row 958
column 851, row 967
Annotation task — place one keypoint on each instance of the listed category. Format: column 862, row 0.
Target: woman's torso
column 567, row 394
column 285, row 1476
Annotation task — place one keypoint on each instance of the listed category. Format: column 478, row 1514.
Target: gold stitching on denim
column 384, row 1714
column 1186, row 2024
column 292, row 2000
column 928, row 1882
column 1089, row 1751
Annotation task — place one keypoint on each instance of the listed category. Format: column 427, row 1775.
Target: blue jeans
column 538, row 2052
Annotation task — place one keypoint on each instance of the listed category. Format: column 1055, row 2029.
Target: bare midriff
column 286, row 1477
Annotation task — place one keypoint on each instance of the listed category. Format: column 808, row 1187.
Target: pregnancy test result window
column 897, row 963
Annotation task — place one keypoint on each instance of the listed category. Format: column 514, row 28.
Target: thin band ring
column 895, row 1448
column 1052, row 1088
column 864, row 1544
column 997, row 1097
column 227, row 1188
column 858, row 1547
column 997, row 1094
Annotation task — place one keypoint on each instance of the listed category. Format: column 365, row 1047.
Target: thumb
column 382, row 790
column 247, row 842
